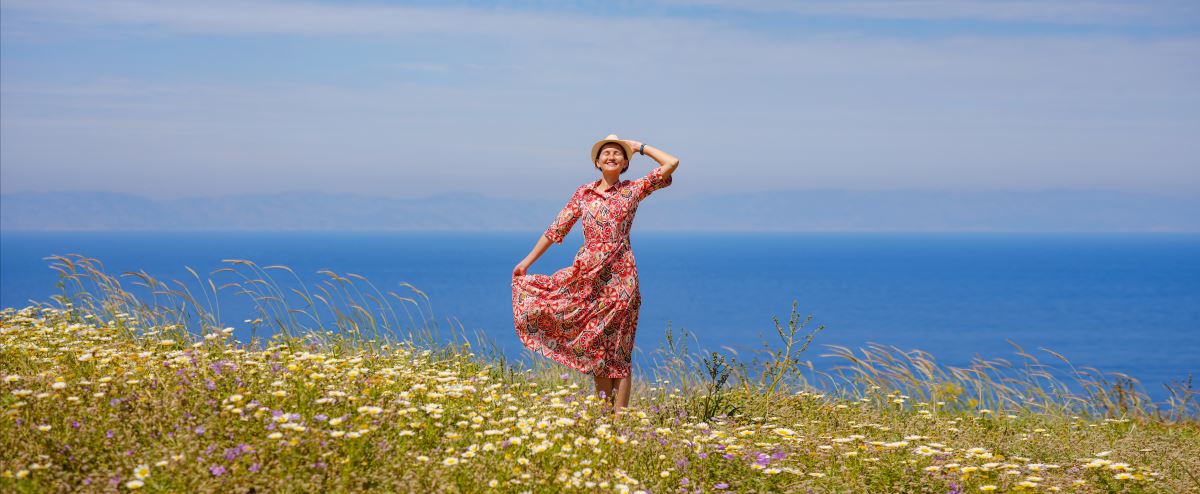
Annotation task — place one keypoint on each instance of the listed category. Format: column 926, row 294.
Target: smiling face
column 612, row 157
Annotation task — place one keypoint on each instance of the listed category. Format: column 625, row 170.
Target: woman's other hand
column 520, row 269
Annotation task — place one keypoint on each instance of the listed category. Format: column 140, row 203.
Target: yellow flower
column 142, row 471
column 1122, row 476
column 987, row 488
column 275, row 435
column 134, row 484
column 451, row 461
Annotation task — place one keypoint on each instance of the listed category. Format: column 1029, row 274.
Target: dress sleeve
column 651, row 182
column 565, row 220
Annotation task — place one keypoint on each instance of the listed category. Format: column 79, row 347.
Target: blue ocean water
column 1118, row 302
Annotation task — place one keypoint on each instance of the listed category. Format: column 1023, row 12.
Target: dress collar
column 617, row 186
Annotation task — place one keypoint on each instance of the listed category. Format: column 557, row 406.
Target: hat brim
column 599, row 144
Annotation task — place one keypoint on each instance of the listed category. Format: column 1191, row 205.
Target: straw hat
column 606, row 140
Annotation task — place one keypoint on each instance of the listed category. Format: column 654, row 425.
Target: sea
column 1123, row 303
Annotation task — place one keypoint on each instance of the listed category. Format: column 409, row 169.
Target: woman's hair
column 601, row 150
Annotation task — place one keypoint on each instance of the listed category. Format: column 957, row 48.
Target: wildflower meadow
column 130, row 383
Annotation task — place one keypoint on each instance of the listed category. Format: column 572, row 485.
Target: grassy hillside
column 109, row 392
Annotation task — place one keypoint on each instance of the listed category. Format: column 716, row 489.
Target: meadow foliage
column 106, row 390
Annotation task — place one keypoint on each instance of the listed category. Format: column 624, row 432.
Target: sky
column 184, row 99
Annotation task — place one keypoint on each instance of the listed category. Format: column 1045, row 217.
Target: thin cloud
column 1103, row 12
column 316, row 19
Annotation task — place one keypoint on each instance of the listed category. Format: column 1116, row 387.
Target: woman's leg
column 604, row 385
column 621, row 387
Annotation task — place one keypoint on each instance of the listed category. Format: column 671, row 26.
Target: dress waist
column 588, row 241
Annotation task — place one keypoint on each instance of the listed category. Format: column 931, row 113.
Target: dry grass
column 358, row 389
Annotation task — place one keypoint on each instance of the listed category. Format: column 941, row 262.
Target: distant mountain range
column 781, row 211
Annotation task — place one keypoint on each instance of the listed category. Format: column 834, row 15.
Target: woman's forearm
column 543, row 243
column 665, row 161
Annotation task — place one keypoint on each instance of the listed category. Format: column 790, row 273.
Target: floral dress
column 585, row 316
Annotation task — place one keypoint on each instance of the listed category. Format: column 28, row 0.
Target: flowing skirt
column 583, row 316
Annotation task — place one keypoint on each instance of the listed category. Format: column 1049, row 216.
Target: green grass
column 366, row 394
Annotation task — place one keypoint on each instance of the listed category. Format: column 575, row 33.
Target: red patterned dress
column 585, row 316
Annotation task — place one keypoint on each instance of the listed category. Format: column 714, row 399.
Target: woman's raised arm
column 665, row 161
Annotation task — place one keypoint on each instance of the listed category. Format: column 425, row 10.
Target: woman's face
column 612, row 157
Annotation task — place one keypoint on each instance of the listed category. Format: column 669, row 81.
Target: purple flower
column 721, row 486
column 703, row 455
column 320, row 417
column 254, row 468
column 210, row 385
column 216, row 470
column 74, row 424
column 199, row 430
column 108, row 434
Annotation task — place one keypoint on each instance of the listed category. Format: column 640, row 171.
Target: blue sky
column 177, row 99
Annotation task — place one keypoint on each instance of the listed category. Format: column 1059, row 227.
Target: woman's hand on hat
column 634, row 145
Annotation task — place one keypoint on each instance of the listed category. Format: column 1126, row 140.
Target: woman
column 585, row 316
